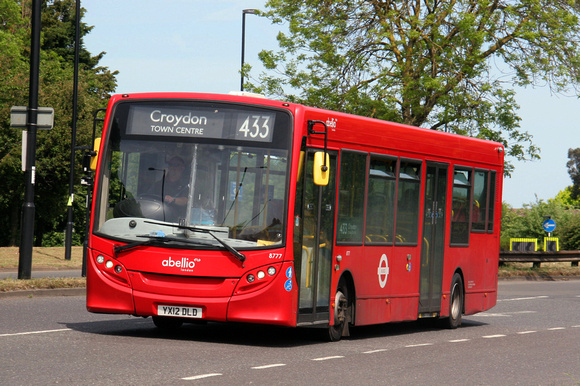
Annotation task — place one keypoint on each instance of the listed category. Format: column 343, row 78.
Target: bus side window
column 351, row 197
column 461, row 206
column 478, row 219
column 492, row 188
column 408, row 195
column 380, row 218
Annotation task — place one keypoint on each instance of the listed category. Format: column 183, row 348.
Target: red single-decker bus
column 235, row 208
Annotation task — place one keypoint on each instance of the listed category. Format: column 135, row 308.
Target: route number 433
column 255, row 127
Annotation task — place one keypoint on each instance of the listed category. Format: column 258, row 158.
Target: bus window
column 221, row 179
column 351, row 197
column 478, row 218
column 380, row 219
column 461, row 206
column 490, row 216
column 409, row 192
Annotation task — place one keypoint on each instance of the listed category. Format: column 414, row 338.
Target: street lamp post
column 253, row 12
column 28, row 208
column 71, row 186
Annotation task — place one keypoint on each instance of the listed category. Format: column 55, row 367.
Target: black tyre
column 341, row 313
column 455, row 303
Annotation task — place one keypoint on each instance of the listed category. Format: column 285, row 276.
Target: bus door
column 431, row 275
column 314, row 224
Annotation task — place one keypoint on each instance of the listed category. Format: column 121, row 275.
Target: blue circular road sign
column 549, row 225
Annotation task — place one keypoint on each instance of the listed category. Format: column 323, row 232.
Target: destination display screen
column 201, row 122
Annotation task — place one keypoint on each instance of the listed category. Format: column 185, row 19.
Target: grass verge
column 42, row 257
column 546, row 270
column 10, row 284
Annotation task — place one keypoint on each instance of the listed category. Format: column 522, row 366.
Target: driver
column 173, row 189
column 176, row 186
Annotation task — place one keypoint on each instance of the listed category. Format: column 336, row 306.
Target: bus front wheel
column 341, row 312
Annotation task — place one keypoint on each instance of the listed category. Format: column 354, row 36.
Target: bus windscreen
column 220, row 167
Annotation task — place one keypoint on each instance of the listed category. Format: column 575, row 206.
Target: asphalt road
column 531, row 337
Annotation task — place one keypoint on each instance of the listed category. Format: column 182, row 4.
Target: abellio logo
column 184, row 263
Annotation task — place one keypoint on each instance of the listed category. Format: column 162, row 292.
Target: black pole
column 28, row 209
column 71, row 184
column 252, row 11
column 243, row 45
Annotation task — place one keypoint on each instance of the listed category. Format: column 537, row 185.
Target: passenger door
column 431, row 275
column 314, row 229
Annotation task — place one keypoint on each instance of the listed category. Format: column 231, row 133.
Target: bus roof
column 351, row 130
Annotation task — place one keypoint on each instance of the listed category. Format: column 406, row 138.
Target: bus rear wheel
column 455, row 303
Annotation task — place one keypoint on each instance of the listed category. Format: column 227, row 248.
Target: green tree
column 573, row 166
column 444, row 65
column 565, row 197
column 53, row 146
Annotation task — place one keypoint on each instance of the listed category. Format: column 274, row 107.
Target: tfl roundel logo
column 383, row 271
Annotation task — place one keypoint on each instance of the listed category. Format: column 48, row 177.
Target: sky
column 195, row 45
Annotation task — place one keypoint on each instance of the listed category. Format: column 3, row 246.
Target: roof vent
column 248, row 94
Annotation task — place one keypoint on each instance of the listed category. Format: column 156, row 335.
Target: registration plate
column 179, row 311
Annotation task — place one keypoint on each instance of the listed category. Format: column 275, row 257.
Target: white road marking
column 202, row 376
column 36, row 332
column 459, row 340
column 268, row 366
column 526, row 332
column 493, row 336
column 556, row 328
column 420, row 345
column 528, row 298
column 374, row 351
column 506, row 314
column 328, row 358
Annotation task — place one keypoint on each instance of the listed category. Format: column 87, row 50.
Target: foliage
column 527, row 223
column 55, row 90
column 573, row 166
column 444, row 65
column 565, row 197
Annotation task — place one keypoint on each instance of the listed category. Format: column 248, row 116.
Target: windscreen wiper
column 153, row 238
column 237, row 254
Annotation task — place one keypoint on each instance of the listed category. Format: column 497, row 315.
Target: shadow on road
column 250, row 334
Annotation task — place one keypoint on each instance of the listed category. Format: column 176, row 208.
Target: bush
column 527, row 223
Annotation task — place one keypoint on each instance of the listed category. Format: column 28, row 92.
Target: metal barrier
column 539, row 257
